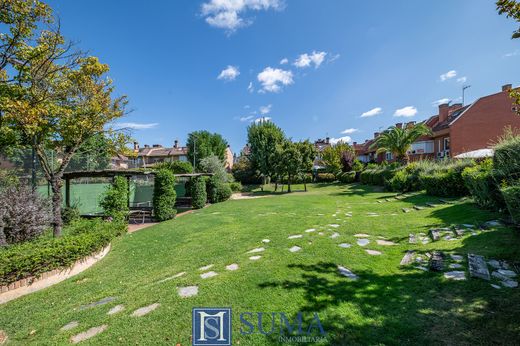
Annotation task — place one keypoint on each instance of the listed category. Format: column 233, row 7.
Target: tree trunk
column 305, row 186
column 3, row 239
column 289, row 184
column 56, row 184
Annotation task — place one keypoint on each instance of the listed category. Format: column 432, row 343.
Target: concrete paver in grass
column 171, row 277
column 363, row 242
column 385, row 242
column 116, row 309
column 88, row 334
column 373, row 252
column 255, row 258
column 70, row 325
column 361, row 235
column 346, row 272
column 334, row 235
column 188, row 291
column 296, row 236
column 208, row 275
column 232, row 267
column 98, row 303
column 344, row 245
column 310, row 230
column 265, row 241
column 145, row 310
column 334, row 225
column 258, row 249
column 204, row 268
column 295, row 249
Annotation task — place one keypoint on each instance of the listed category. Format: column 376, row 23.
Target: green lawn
column 386, row 305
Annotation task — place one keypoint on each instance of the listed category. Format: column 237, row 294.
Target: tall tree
column 202, row 144
column 263, row 138
column 290, row 161
column 331, row 156
column 398, row 141
column 308, row 154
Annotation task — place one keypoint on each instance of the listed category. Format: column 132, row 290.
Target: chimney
column 399, row 125
column 507, row 87
column 327, row 140
column 136, row 146
column 443, row 112
column 376, row 134
column 146, row 146
column 354, row 144
column 176, row 143
column 157, row 146
column 410, row 124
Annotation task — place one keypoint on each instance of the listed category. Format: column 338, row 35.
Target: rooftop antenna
column 464, row 87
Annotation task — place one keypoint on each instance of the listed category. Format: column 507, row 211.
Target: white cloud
column 372, row 112
column 305, row 60
column 511, row 54
column 272, row 79
column 262, row 119
column 265, row 109
column 344, row 139
column 226, row 14
column 448, row 75
column 462, row 79
column 349, row 131
column 135, row 126
column 250, row 87
column 246, row 118
column 408, row 111
column 229, row 73
column 440, row 101
column 284, row 61
column 333, row 58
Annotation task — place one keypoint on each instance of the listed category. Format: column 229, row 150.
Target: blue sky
column 344, row 59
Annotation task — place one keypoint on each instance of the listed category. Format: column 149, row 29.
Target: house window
column 447, row 143
column 389, row 156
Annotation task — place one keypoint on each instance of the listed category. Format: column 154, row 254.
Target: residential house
column 229, row 159
column 320, row 145
column 150, row 155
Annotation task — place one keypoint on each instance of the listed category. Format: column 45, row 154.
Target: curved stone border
column 29, row 285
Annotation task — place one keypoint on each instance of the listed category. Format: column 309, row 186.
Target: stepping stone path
column 363, row 242
column 98, row 303
column 437, row 261
column 385, row 242
column 346, row 272
column 145, row 310
column 478, row 267
column 310, row 230
column 373, row 252
column 421, row 268
column 265, row 241
column 70, row 325
column 296, row 236
column 171, row 277
column 431, row 205
column 348, row 214
column 457, row 258
column 344, row 245
column 295, row 249
column 255, row 258
column 407, row 258
column 459, row 232
column 232, row 267
column 206, row 267
column 208, row 275
column 435, row 234
column 418, row 207
column 361, row 235
column 188, row 291
column 116, row 309
column 372, row 214
column 88, row 334
column 455, row 266
column 334, row 235
column 406, row 210
column 259, row 249
column 334, row 225
column 412, row 239
column 455, row 275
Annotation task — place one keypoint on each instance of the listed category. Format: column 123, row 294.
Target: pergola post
column 128, row 190
column 67, row 192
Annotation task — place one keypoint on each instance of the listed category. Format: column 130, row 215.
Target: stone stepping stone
column 437, row 261
column 468, row 225
column 70, row 325
column 508, row 273
column 373, row 252
column 493, row 223
column 478, row 267
column 346, row 272
column 98, row 303
column 372, row 214
column 496, row 286
column 421, row 268
column 445, row 201
column 265, row 241
column 208, row 275
column 406, row 210
column 495, row 264
column 418, row 207
column 188, row 291
column 510, row 283
column 296, row 236
column 363, row 242
column 407, row 258
column 455, row 275
column 435, row 234
column 361, row 235
column 455, row 266
column 145, row 310
column 206, row 267
column 385, row 242
column 88, row 334
column 334, row 235
column 321, row 214
column 412, row 239
column 310, row 230
column 295, row 249
column 255, row 258
column 116, row 309
column 379, row 201
column 258, row 249
column 171, row 277
column 431, row 205
column 344, row 245
column 321, row 233
column 334, row 225
column 457, row 258
column 459, row 232
column 388, row 199
column 348, row 214
column 232, row 267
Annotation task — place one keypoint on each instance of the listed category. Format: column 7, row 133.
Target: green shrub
column 481, row 185
column 244, row 172
column 347, row 177
column 357, row 166
column 198, row 192
column 408, row 178
column 70, row 214
column 511, row 196
column 377, row 176
column 82, row 238
column 164, row 195
column 177, row 167
column 217, row 191
column 506, row 160
column 114, row 200
column 235, row 186
column 325, row 178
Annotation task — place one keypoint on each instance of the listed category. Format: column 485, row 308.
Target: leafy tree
column 290, row 161
column 347, row 160
column 308, row 154
column 114, row 200
column 398, row 141
column 263, row 138
column 202, row 144
column 332, row 155
column 213, row 164
column 243, row 171
column 93, row 154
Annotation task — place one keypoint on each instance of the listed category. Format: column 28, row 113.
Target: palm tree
column 398, row 140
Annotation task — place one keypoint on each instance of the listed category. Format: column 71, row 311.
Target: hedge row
column 82, row 238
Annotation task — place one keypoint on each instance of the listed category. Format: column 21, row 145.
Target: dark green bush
column 378, row 176
column 198, row 192
column 82, row 238
column 325, row 178
column 114, row 200
column 235, row 186
column 481, row 184
column 511, row 196
column 70, row 214
column 164, row 195
column 217, row 191
column 244, row 172
column 346, row 177
column 506, row 160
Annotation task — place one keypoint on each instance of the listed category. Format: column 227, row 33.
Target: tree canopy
column 202, row 144
column 332, row 156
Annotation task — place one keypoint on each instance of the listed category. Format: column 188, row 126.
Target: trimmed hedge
column 481, row 184
column 217, row 191
column 164, row 195
column 377, row 176
column 198, row 192
column 325, row 178
column 447, row 182
column 82, row 238
column 235, row 186
column 346, row 177
column 511, row 196
column 114, row 200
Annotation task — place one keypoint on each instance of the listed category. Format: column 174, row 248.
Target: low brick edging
column 31, row 284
